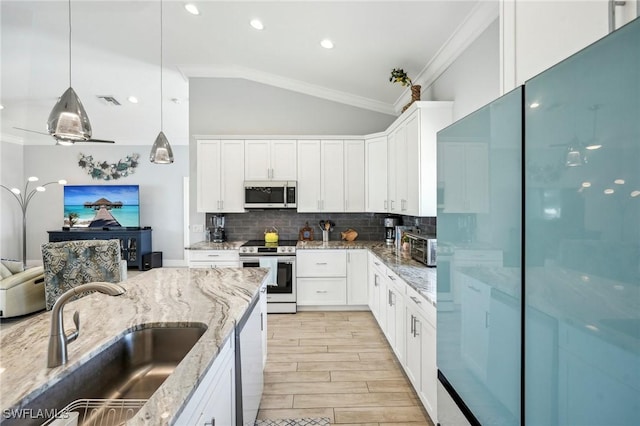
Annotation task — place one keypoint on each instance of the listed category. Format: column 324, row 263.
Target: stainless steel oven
column 281, row 294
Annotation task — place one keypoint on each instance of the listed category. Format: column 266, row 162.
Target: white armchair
column 22, row 293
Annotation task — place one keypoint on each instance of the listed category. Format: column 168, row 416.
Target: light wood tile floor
column 336, row 365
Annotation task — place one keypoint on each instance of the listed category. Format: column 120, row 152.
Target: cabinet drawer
column 321, row 263
column 322, row 291
column 214, row 256
column 208, row 265
column 421, row 305
column 378, row 265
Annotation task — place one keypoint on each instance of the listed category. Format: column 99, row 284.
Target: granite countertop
column 206, row 245
column 417, row 275
column 160, row 297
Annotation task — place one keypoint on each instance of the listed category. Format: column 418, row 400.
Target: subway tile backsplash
column 252, row 224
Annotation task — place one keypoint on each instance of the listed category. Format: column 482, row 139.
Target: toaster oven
column 423, row 248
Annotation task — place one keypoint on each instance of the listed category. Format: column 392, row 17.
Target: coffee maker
column 390, row 223
column 216, row 229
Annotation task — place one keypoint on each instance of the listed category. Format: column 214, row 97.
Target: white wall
column 536, row 35
column 160, row 193
column 11, row 175
column 473, row 79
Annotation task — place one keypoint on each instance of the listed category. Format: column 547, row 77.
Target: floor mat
column 318, row 421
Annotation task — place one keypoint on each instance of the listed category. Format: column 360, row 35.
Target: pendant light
column 161, row 152
column 68, row 121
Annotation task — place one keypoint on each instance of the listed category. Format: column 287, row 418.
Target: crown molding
column 232, row 71
column 476, row 22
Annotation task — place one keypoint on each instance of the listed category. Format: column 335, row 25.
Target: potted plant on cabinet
column 398, row 75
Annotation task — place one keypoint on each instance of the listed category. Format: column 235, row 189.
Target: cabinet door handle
column 375, row 280
column 486, row 319
column 471, row 287
column 321, row 263
column 415, row 327
column 211, row 423
column 415, row 299
column 391, row 278
column 412, row 324
column 389, row 297
column 213, row 255
column 321, row 291
column 385, row 204
column 376, row 263
column 221, row 204
column 261, row 322
column 391, row 204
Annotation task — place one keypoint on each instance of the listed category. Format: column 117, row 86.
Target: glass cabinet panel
column 582, row 237
column 479, row 255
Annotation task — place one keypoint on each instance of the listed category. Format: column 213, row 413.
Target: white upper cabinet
column 376, row 174
column 270, row 160
column 219, row 180
column 321, row 176
column 412, row 159
column 354, row 176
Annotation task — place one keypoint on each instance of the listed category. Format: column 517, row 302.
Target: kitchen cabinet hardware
column 486, row 319
column 415, row 299
column 321, row 291
column 211, row 423
column 471, row 287
column 213, row 255
column 391, row 278
column 412, row 324
column 321, row 263
column 416, row 322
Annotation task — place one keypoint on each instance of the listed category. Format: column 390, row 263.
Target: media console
column 134, row 242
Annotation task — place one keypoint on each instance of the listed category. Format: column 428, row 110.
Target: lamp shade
column 68, row 120
column 161, row 152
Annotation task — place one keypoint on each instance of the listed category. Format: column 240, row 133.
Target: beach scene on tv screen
column 99, row 206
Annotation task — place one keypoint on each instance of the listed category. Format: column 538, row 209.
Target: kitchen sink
column 133, row 367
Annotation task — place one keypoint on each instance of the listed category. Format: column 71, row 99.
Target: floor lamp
column 23, row 198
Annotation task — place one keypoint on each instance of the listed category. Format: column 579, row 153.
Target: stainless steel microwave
column 270, row 194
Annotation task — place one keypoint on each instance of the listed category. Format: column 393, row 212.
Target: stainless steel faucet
column 58, row 339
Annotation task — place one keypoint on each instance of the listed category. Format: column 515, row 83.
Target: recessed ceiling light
column 635, row 193
column 586, row 184
column 592, row 147
column 132, row 99
column 534, row 105
column 619, row 181
column 609, row 191
column 257, row 24
column 326, row 43
column 192, row 9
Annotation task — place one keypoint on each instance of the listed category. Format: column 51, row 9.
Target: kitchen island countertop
column 163, row 297
column 207, row 245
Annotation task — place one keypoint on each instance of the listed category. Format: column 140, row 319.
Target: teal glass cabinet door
column 582, row 237
column 479, row 256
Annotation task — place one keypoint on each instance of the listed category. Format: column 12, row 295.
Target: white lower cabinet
column 321, row 277
column 322, row 291
column 251, row 364
column 408, row 321
column 395, row 314
column 420, row 365
column 377, row 289
column 214, row 259
column 213, row 402
column 357, row 290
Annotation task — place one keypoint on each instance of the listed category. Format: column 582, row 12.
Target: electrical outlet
column 197, row 228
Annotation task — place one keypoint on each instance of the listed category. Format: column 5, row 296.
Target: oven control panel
column 288, row 250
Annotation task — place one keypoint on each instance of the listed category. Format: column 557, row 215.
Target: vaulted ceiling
column 115, row 51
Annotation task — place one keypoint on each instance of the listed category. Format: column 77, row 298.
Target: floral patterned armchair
column 68, row 264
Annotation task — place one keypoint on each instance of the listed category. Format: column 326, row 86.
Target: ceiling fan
column 61, row 141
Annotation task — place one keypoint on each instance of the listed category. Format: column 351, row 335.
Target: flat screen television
column 101, row 206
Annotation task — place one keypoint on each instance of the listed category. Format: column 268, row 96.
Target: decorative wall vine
column 105, row 171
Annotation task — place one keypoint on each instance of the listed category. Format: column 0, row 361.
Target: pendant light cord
column 161, row 110
column 69, row 43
